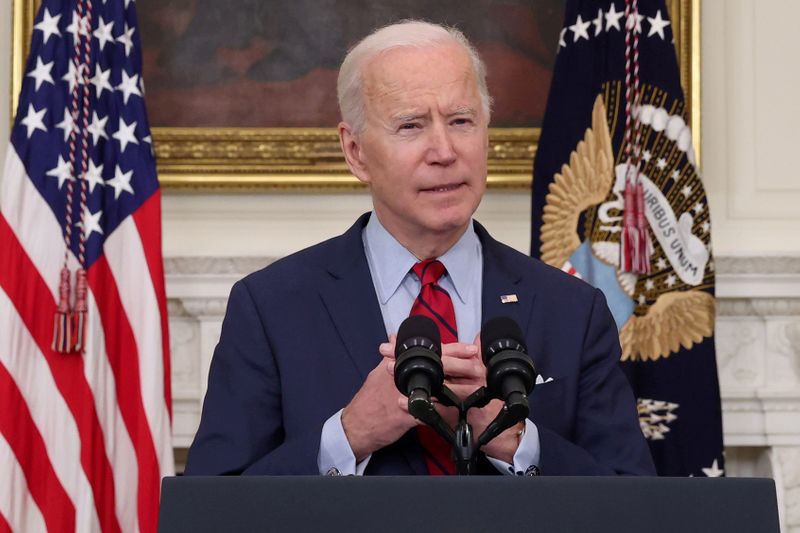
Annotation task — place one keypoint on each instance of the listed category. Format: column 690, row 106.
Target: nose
column 441, row 150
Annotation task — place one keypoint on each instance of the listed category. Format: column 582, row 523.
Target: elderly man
column 301, row 381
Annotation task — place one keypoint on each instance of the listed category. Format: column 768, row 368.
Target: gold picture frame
column 301, row 159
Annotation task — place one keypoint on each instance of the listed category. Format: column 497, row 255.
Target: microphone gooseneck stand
column 465, row 447
column 510, row 376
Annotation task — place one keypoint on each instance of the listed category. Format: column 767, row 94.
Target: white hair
column 412, row 33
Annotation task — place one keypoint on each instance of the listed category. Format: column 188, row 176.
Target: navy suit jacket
column 301, row 335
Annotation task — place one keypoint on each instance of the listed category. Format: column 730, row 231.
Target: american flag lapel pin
column 509, row 299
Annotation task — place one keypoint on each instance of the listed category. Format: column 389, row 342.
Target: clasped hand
column 378, row 414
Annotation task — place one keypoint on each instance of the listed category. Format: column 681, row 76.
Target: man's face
column 424, row 149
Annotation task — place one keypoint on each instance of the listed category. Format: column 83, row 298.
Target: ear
column 351, row 147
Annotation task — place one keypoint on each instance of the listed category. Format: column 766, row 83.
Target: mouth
column 449, row 187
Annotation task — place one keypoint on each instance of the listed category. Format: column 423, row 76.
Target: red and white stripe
column 571, row 270
column 84, row 439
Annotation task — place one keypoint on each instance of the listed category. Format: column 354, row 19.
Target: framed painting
column 241, row 94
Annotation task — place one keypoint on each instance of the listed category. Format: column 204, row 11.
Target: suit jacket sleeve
column 241, row 429
column 607, row 439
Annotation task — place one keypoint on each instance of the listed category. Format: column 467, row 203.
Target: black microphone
column 510, row 374
column 418, row 371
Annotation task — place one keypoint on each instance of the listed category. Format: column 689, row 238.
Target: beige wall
column 751, row 71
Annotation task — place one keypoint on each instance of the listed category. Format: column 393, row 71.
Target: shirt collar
column 462, row 262
column 391, row 261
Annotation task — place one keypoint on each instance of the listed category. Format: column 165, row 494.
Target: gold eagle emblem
column 680, row 316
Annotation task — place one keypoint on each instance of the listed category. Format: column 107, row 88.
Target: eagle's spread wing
column 676, row 319
column 584, row 182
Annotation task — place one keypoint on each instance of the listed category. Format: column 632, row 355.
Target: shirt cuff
column 335, row 455
column 526, row 456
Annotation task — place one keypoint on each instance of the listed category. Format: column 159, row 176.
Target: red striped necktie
column 435, row 303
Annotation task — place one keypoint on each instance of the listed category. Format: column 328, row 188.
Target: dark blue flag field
column 616, row 165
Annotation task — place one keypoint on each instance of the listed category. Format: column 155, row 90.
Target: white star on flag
column 61, row 171
column 103, row 32
column 676, row 175
column 580, row 29
column 48, row 26
column 121, row 182
column 642, row 300
column 657, row 25
column 76, row 23
column 94, row 176
column 697, row 208
column 128, row 86
column 149, row 140
column 661, row 164
column 646, row 156
column 561, row 42
column 670, row 281
column 67, row 124
column 101, row 80
column 98, row 127
column 714, row 470
column 706, row 226
column 686, row 191
column 661, row 264
column 127, row 39
column 125, row 134
column 649, row 285
column 598, row 23
column 34, row 120
column 612, row 18
column 638, row 18
column 41, row 73
column 91, row 222
column 72, row 77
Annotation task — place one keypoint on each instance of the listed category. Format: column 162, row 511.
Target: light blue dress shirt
column 397, row 288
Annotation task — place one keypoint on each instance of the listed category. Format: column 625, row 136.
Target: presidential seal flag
column 84, row 358
column 618, row 202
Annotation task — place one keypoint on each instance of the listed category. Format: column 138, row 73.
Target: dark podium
column 409, row 504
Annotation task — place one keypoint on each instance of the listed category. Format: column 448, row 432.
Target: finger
column 402, row 403
column 386, row 349
column 455, row 367
column 472, row 382
column 390, row 366
column 460, row 350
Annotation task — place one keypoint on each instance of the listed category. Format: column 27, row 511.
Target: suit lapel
column 349, row 296
column 502, row 278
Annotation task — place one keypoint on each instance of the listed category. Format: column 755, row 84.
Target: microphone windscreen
column 500, row 328
column 417, row 326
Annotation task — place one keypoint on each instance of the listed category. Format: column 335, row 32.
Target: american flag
column 84, row 433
